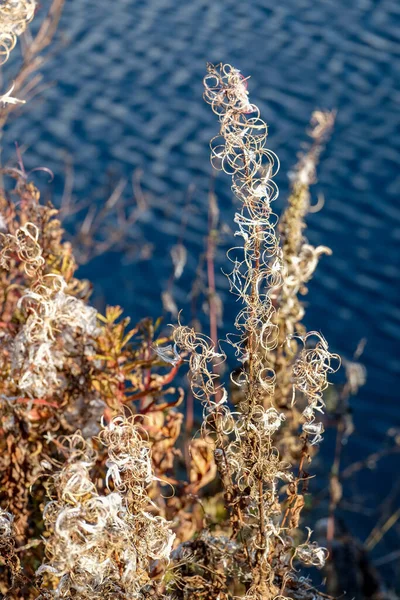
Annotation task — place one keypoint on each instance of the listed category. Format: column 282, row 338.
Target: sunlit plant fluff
column 53, row 317
column 103, row 546
column 249, row 464
column 48, row 337
column 15, row 15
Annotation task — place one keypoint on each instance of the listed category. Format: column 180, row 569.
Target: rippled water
column 129, row 94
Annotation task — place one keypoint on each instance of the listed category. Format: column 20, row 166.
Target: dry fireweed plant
column 96, row 499
column 101, row 545
column 64, row 368
column 255, row 476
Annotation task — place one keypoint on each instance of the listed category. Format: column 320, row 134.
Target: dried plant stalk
column 252, row 471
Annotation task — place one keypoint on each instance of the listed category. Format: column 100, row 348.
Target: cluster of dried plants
column 102, row 495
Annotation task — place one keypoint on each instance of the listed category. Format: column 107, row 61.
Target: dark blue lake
column 128, row 95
